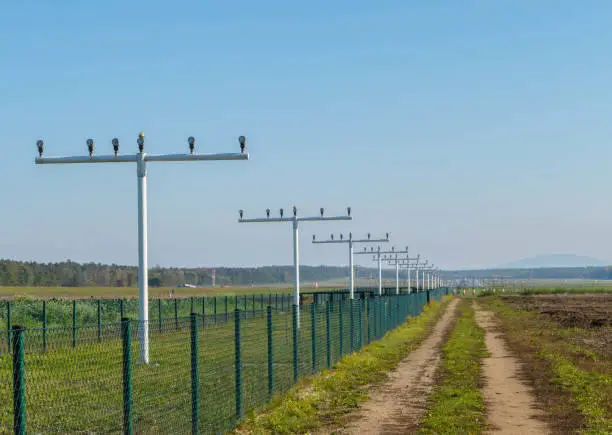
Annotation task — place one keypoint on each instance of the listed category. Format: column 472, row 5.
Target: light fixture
column 90, row 146
column 140, row 141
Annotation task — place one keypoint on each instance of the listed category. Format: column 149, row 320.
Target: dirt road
column 511, row 406
column 397, row 405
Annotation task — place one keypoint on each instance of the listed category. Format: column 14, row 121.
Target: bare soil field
column 570, row 310
column 588, row 316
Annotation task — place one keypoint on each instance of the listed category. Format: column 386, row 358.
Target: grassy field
column 563, row 340
column 32, row 311
column 457, row 404
column 132, row 292
column 28, row 312
column 326, row 398
column 80, row 389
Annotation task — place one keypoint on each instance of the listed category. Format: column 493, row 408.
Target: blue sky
column 475, row 132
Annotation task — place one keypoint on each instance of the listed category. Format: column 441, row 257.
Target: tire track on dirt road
column 511, row 405
column 397, row 405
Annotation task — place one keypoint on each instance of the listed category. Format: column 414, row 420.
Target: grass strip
column 578, row 397
column 457, row 405
column 325, row 398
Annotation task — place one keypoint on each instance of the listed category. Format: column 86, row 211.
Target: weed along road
column 511, row 405
column 397, row 405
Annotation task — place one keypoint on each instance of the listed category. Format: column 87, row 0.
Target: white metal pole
column 396, row 276
column 143, row 262
column 423, row 278
column 409, row 288
column 296, row 266
column 416, row 272
column 352, row 273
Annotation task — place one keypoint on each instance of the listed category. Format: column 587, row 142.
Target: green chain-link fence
column 206, row 371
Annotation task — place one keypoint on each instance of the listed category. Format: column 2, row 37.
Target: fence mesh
column 206, row 370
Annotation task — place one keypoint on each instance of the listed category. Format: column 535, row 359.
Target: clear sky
column 476, row 132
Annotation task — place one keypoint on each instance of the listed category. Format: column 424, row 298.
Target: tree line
column 72, row 274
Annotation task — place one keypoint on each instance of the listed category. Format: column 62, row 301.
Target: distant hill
column 555, row 260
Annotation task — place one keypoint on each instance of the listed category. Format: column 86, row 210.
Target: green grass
column 326, row 398
column 80, row 389
column 457, row 405
column 8, row 292
column 572, row 378
column 28, row 311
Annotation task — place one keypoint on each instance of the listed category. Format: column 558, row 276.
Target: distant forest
column 72, row 274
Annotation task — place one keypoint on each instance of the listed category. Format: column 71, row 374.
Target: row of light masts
column 378, row 257
column 141, row 158
column 295, row 220
column 351, row 242
column 430, row 274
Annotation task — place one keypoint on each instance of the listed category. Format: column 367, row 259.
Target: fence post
column 99, row 322
column 375, row 312
column 176, row 313
column 313, row 333
column 191, row 310
column 226, row 312
column 368, row 303
column 121, row 312
column 328, row 333
column 341, row 327
column 261, row 297
column 352, row 324
column 44, row 331
column 270, row 353
column 159, row 314
column 126, row 335
column 295, row 343
column 253, row 301
column 194, row 374
column 9, row 323
column 215, row 308
column 203, row 309
column 19, row 396
column 360, row 321
column 74, row 323
column 238, row 364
